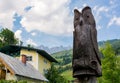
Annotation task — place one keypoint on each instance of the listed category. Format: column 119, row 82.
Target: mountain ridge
column 54, row 49
column 62, row 48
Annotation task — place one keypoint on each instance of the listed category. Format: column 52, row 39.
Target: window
column 45, row 71
column 29, row 58
column 45, row 61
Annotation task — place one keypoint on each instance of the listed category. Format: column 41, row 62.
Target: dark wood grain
column 86, row 61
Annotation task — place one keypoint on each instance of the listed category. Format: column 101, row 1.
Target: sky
column 50, row 22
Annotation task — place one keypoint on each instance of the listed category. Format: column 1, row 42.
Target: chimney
column 24, row 58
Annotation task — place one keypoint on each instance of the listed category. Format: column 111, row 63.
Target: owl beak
column 80, row 21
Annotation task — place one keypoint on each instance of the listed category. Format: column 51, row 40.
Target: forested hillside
column 65, row 57
column 64, row 64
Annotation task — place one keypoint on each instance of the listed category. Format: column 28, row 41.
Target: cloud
column 112, row 2
column 49, row 16
column 31, row 42
column 98, row 10
column 8, row 8
column 114, row 21
column 99, row 27
column 18, row 34
column 33, row 34
column 84, row 5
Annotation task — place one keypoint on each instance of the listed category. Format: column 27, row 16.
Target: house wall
column 10, row 76
column 34, row 55
column 39, row 62
column 43, row 64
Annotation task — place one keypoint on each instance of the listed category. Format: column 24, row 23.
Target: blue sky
column 50, row 22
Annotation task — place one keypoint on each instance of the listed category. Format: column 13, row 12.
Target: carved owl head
column 88, row 16
column 78, row 19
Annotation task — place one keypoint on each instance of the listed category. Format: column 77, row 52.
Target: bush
column 12, row 81
column 22, row 81
column 54, row 77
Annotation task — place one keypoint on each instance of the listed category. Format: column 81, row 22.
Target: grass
column 70, row 64
column 59, row 56
column 62, row 53
column 68, row 75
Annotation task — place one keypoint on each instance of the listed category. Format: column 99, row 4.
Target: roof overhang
column 15, row 48
column 32, row 78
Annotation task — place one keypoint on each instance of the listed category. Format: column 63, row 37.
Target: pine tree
column 53, row 76
column 109, row 65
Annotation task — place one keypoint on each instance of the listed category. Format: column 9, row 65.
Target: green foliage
column 7, row 37
column 12, row 81
column 65, row 63
column 116, row 46
column 22, row 81
column 65, row 60
column 68, row 75
column 53, row 76
column 62, row 69
column 110, row 61
column 110, row 67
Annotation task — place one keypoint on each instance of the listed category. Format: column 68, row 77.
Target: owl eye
column 87, row 16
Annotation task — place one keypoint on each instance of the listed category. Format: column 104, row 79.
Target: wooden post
column 91, row 79
column 86, row 61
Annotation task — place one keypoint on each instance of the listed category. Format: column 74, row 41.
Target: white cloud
column 18, row 34
column 114, row 21
column 49, row 16
column 98, row 10
column 31, row 42
column 112, row 2
column 7, row 10
column 84, row 5
column 99, row 27
column 33, row 34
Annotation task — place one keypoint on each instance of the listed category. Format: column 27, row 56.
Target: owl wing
column 94, row 41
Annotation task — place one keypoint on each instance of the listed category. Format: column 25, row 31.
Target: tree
column 7, row 37
column 109, row 65
column 53, row 76
column 116, row 46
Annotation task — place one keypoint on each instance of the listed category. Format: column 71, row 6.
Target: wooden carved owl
column 86, row 59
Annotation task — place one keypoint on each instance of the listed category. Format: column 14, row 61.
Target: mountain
column 62, row 48
column 64, row 64
column 101, row 43
column 64, row 58
column 54, row 49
